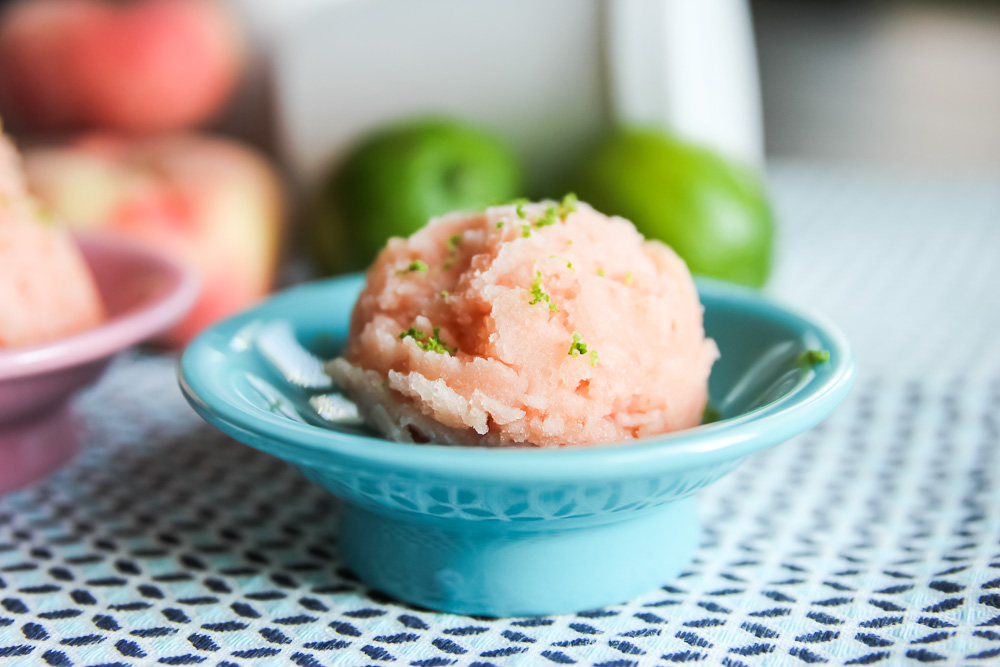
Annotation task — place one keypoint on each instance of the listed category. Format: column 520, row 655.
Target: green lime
column 713, row 213
column 402, row 176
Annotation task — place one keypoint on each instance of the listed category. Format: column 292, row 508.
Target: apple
column 400, row 177
column 34, row 88
column 209, row 201
column 714, row 213
column 142, row 65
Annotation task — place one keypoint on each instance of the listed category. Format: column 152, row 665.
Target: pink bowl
column 144, row 293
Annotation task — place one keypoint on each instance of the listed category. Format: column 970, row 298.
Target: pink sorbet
column 537, row 324
column 46, row 290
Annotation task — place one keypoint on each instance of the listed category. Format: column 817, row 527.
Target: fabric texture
column 874, row 538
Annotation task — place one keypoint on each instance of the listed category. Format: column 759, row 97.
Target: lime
column 713, row 213
column 399, row 178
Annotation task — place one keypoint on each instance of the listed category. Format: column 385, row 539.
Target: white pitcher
column 547, row 74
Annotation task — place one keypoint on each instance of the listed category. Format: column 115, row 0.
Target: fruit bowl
column 143, row 294
column 515, row 531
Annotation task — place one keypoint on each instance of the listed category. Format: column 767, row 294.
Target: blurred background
column 276, row 125
column 913, row 84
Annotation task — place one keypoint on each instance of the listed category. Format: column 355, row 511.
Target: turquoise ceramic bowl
column 518, row 531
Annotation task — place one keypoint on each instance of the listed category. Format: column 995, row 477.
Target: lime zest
column 414, row 267
column 452, row 243
column 629, row 278
column 548, row 218
column 814, row 357
column 600, row 272
column 427, row 343
column 499, row 224
column 578, row 347
column 444, row 294
column 568, row 205
column 525, row 231
column 540, row 295
column 569, row 264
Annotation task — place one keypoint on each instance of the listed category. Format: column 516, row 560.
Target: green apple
column 713, row 213
column 399, row 178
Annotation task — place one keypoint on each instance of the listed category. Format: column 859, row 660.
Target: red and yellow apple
column 210, row 201
column 141, row 65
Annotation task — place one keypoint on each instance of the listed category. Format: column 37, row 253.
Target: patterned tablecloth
column 873, row 538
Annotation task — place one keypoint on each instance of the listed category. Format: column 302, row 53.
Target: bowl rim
column 116, row 333
column 812, row 399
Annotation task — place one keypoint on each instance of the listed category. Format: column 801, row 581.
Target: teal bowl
column 518, row 531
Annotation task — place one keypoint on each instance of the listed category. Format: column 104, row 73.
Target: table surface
column 875, row 537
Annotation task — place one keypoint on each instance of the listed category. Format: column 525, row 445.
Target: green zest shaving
column 453, row 242
column 567, row 206
column 578, row 348
column 814, row 357
column 444, row 294
column 427, row 343
column 539, row 294
column 499, row 224
column 415, row 266
column 551, row 215
column 569, row 264
column 600, row 272
column 629, row 278
column 548, row 218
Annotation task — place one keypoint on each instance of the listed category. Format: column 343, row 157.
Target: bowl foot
column 33, row 448
column 506, row 569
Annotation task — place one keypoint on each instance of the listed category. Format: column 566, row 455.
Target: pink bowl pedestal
column 144, row 293
column 36, row 447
